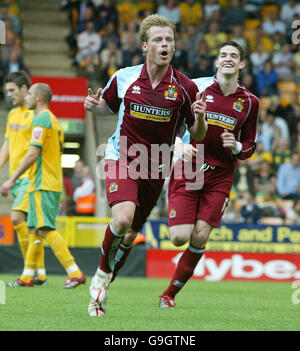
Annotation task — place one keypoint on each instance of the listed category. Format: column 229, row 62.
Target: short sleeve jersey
column 148, row 116
column 18, row 133
column 46, row 172
column 238, row 113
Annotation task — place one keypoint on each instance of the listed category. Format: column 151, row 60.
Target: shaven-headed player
column 152, row 100
column 232, row 116
column 14, row 149
column 43, row 160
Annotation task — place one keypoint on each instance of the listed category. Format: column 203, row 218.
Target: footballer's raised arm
column 95, row 103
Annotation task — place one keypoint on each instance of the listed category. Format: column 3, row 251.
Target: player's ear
column 242, row 64
column 144, row 47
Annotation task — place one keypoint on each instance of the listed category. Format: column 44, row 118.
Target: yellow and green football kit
column 46, row 181
column 18, row 134
column 46, row 184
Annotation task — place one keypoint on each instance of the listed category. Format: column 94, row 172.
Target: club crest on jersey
column 113, row 187
column 172, row 213
column 171, row 93
column 239, row 105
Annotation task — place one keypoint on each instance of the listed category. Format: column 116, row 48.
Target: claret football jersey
column 18, row 133
column 46, row 172
column 238, row 113
column 148, row 116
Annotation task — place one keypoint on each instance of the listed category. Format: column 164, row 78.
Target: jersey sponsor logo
column 136, row 89
column 239, row 105
column 171, row 93
column 221, row 120
column 17, row 127
column 113, row 187
column 37, row 134
column 151, row 113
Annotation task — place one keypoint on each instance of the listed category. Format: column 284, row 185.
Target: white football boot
column 99, row 293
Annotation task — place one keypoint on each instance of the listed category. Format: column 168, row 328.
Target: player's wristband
column 238, row 148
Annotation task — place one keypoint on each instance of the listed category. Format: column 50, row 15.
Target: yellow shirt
column 18, row 133
column 46, row 172
column 190, row 14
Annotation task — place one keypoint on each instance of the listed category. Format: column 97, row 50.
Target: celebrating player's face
column 160, row 46
column 15, row 93
column 228, row 61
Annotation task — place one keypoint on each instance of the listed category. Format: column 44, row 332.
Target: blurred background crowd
column 104, row 37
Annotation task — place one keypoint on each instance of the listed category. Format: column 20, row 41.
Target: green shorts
column 20, row 195
column 43, row 209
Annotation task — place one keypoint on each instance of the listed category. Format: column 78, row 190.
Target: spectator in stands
column 281, row 153
column 192, row 40
column 293, row 214
column 274, row 25
column 131, row 51
column 203, row 67
column 171, row 10
column 202, row 51
column 214, row 38
column 250, row 83
column 296, row 61
column 267, row 130
column 180, row 58
column 110, row 34
column 283, row 63
column 84, row 194
column 15, row 62
column 106, row 12
column 108, row 53
column 89, row 42
column 91, row 69
column 77, row 175
column 265, row 176
column 77, row 9
column 210, row 7
column 126, row 35
column 14, row 20
column 253, row 7
column 295, row 138
column 288, row 10
column 235, row 15
column 288, row 178
column 258, row 58
column 259, row 155
column 261, row 37
column 243, row 179
column 127, row 12
column 231, row 214
column 89, row 15
column 266, row 80
column 190, row 13
column 250, row 212
column 238, row 37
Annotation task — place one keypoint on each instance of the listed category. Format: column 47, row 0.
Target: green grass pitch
column 133, row 306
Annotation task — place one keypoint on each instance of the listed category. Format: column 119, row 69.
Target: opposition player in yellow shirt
column 14, row 149
column 44, row 163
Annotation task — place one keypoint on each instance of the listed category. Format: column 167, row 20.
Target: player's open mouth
column 164, row 54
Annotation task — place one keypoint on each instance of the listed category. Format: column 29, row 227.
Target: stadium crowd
column 104, row 38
